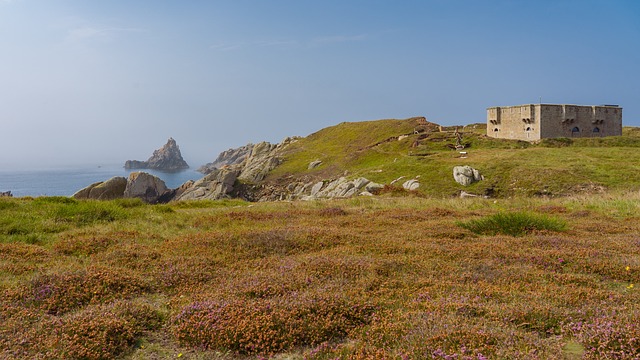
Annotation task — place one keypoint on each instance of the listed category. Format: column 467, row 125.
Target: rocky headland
column 167, row 158
column 243, row 172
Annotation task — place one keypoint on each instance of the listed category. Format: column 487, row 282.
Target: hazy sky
column 100, row 82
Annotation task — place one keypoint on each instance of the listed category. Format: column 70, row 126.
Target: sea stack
column 167, row 158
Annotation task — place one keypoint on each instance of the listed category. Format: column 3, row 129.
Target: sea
column 65, row 181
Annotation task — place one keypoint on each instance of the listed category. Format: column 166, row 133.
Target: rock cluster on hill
column 217, row 184
column 167, row 158
column 226, row 158
column 253, row 161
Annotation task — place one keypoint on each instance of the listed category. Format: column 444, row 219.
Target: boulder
column 145, row 186
column 340, row 188
column 466, row 175
column 374, row 187
column 113, row 188
column 167, row 158
column 216, row 185
column 6, row 194
column 411, row 185
column 314, row 164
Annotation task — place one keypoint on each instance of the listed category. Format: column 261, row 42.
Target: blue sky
column 100, row 82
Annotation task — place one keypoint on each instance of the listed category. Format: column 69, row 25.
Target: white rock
column 466, row 175
column 411, row 184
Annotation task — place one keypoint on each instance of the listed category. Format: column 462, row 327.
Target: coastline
column 65, row 181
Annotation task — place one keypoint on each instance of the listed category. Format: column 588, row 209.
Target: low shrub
column 61, row 293
column 268, row 326
column 513, row 224
column 102, row 332
column 608, row 336
column 331, row 212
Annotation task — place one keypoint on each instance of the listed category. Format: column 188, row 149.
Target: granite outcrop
column 167, row 158
column 147, row 187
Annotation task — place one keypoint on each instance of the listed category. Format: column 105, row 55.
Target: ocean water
column 66, row 181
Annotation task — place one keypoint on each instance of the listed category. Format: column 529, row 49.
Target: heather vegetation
column 389, row 277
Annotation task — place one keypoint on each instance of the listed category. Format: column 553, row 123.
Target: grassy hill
column 552, row 167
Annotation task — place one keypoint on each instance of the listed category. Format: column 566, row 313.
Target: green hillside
column 552, row 167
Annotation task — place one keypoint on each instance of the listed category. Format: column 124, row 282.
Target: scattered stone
column 6, row 194
column 314, row 164
column 396, row 180
column 464, row 194
column 411, row 185
column 374, row 187
column 466, row 175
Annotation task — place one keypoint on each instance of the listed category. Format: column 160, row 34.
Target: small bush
column 514, row 224
column 61, row 293
column 102, row 332
column 608, row 336
column 332, row 211
column 268, row 326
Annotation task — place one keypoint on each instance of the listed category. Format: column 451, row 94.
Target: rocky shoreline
column 239, row 173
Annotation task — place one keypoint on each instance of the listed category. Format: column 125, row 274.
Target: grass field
column 363, row 278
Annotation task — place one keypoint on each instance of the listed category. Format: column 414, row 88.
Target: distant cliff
column 167, row 158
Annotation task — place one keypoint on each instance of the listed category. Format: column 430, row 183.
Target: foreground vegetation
column 366, row 278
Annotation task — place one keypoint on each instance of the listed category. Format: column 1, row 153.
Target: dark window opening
column 496, row 129
column 575, row 130
column 528, row 129
column 596, row 130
